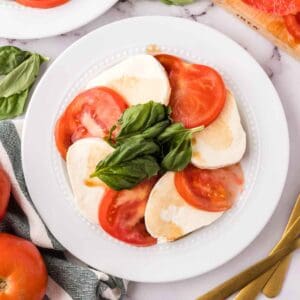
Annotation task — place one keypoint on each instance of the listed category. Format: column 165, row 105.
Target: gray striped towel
column 68, row 277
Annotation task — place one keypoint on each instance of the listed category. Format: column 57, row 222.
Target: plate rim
column 285, row 160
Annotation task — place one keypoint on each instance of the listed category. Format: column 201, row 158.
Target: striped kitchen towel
column 68, row 277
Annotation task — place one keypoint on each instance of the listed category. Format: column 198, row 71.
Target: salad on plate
column 153, row 148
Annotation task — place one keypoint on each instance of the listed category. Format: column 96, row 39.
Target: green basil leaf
column 20, row 78
column 173, row 131
column 136, row 119
column 20, row 69
column 130, row 163
column 13, row 106
column 177, row 2
column 128, row 174
column 133, row 147
column 178, row 154
column 10, row 58
column 176, row 146
column 149, row 133
column 176, row 130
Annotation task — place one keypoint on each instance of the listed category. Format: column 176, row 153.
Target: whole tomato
column 23, row 274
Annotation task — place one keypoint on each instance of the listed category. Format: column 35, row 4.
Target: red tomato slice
column 276, row 7
column 292, row 23
column 23, row 274
column 5, row 188
column 211, row 190
column 91, row 114
column 169, row 61
column 42, row 3
column 121, row 214
column 198, row 92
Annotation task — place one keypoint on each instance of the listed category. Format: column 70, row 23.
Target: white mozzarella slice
column 168, row 216
column 82, row 158
column 138, row 79
column 223, row 142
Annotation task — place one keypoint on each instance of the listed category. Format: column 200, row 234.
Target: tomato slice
column 211, row 190
column 91, row 114
column 23, row 274
column 5, row 188
column 276, row 7
column 169, row 62
column 198, row 92
column 42, row 3
column 292, row 23
column 121, row 214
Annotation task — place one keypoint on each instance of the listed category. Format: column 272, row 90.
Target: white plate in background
column 265, row 163
column 21, row 22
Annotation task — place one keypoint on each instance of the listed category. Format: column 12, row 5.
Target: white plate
column 20, row 22
column 265, row 163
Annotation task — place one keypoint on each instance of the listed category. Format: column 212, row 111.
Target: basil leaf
column 130, row 163
column 178, row 154
column 132, row 148
column 10, row 58
column 21, row 78
column 138, row 118
column 13, row 106
column 128, row 174
column 177, row 2
column 176, row 146
column 149, row 133
column 171, row 132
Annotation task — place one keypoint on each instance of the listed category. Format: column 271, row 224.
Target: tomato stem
column 3, row 285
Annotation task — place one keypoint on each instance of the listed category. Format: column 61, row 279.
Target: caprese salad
column 152, row 148
column 42, row 3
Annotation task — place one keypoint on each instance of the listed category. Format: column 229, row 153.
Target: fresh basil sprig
column 131, row 163
column 146, row 144
column 177, row 2
column 146, row 120
column 176, row 146
column 20, row 70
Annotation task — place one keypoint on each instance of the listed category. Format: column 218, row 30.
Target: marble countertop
column 284, row 72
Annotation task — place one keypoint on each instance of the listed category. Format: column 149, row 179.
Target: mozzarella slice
column 138, row 79
column 82, row 158
column 223, row 142
column 168, row 216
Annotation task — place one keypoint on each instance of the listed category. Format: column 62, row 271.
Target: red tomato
column 276, row 7
column 5, row 188
column 91, row 113
column 292, row 23
column 169, row 61
column 23, row 274
column 121, row 214
column 211, row 190
column 198, row 92
column 42, row 3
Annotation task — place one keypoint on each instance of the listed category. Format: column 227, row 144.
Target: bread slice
column 272, row 27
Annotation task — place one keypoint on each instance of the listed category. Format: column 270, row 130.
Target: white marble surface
column 284, row 72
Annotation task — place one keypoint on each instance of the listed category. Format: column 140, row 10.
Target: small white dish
column 21, row 22
column 265, row 163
